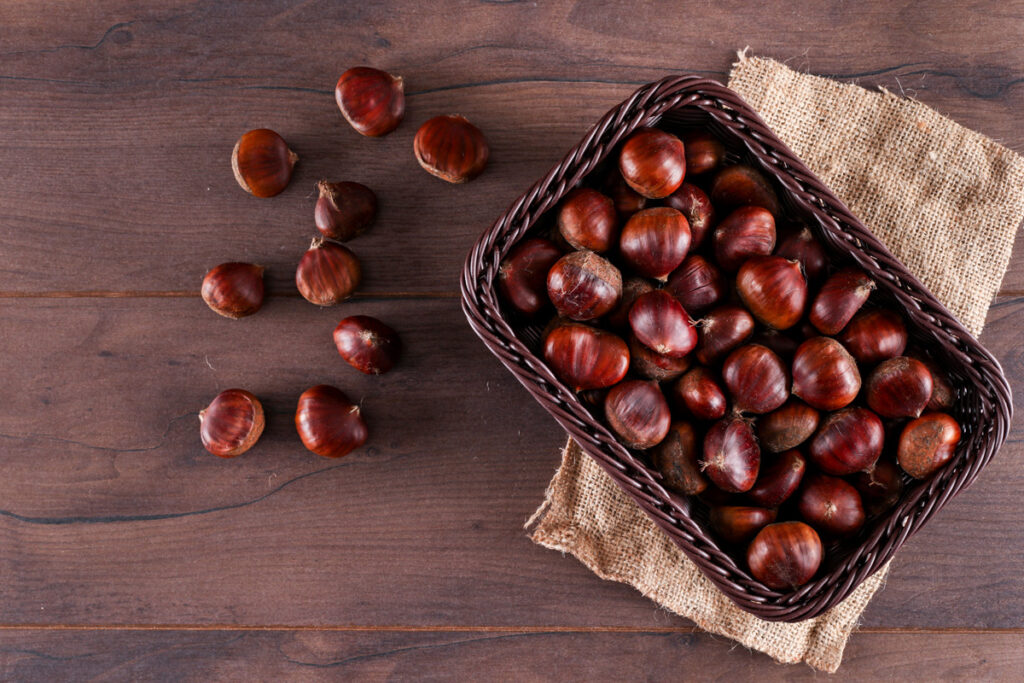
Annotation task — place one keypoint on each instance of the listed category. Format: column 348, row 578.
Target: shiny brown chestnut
column 632, row 288
column 747, row 231
column 721, row 330
column 785, row 555
column 648, row 363
column 233, row 290
column 839, row 299
column 927, row 444
column 232, row 423
column 756, row 379
column 627, row 200
column 262, row 162
column 587, row 220
column 874, row 335
column 830, row 505
column 787, row 427
column 655, row 241
column 731, row 456
column 773, row 290
column 847, row 441
column 943, row 394
column 741, row 185
column 739, row 523
column 778, row 480
column 327, row 273
column 653, row 162
column 451, row 148
column 371, row 100
column 367, row 344
column 697, row 283
column 802, row 246
column 676, row 458
column 825, row 375
column 880, row 487
column 660, row 322
column 899, row 387
column 585, row 357
column 344, row 210
column 328, row 423
column 523, row 274
column 584, row 286
column 637, row 412
column 696, row 207
column 704, row 152
column 700, row 393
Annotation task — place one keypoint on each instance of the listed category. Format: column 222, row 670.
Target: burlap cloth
column 944, row 199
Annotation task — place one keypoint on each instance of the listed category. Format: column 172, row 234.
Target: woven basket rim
column 984, row 406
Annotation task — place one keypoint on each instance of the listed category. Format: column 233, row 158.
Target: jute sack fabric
column 946, row 200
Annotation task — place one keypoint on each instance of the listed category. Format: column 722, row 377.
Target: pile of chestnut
column 718, row 339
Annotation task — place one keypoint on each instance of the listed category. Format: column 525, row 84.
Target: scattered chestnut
column 943, row 394
column 676, row 459
column 927, row 444
column 787, row 427
column 756, row 379
column 637, row 412
column 899, row 387
column 587, row 220
column 373, row 101
column 739, row 523
column 731, row 456
column 585, row 357
column 328, row 423
column 879, row 487
column 632, row 288
column 523, row 275
column 778, row 479
column 653, row 162
column 874, row 335
column 234, row 290
column 232, row 423
column 659, row 322
column 262, row 162
column 825, row 375
column 830, row 505
column 584, row 286
column 741, row 185
column 451, row 148
column 747, row 231
column 839, row 299
column 700, row 393
column 721, row 330
column 655, row 241
column 327, row 273
column 648, row 363
column 344, row 210
column 785, row 555
column 704, row 152
column 847, row 441
column 697, row 283
column 802, row 246
column 773, row 290
column 627, row 200
column 695, row 206
column 367, row 344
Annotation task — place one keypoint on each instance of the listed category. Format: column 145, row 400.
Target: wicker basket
column 983, row 397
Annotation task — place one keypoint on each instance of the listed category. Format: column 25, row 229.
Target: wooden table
column 126, row 551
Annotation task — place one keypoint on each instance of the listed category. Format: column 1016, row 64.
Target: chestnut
column 344, row 210
column 731, row 456
column 587, row 220
column 627, row 200
column 704, row 152
column 262, row 162
column 756, row 379
column 661, row 324
column 741, row 185
column 943, row 394
column 584, row 357
column 234, row 290
column 232, row 423
column 874, row 335
column 784, row 344
column 367, row 344
column 747, row 231
column 778, row 479
column 787, row 427
column 802, row 246
column 739, row 523
column 785, row 555
column 584, row 286
column 327, row 273
column 637, row 412
column 830, row 505
column 773, row 290
column 879, row 487
column 695, row 206
column 653, row 162
column 825, row 375
column 648, row 363
column 328, row 423
column 523, row 274
column 373, row 101
column 632, row 288
column 676, row 459
column 899, row 387
column 701, row 394
column 451, row 148
column 697, row 283
column 655, row 241
column 839, row 299
column 847, row 441
column 927, row 444
column 721, row 330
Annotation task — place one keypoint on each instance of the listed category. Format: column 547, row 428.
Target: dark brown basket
column 983, row 398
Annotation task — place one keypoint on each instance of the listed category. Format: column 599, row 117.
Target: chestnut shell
column 585, row 357
column 451, row 148
column 847, row 441
column 731, row 455
column 653, row 162
column 523, row 274
column 328, row 423
column 637, row 412
column 367, row 344
column 234, row 290
column 371, row 100
column 785, row 555
column 756, row 379
column 344, row 210
column 232, row 423
column 825, row 375
column 327, row 273
column 677, row 459
column 262, row 162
